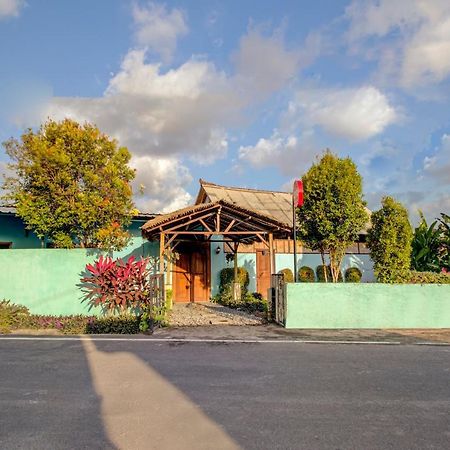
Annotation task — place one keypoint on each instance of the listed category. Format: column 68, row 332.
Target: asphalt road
column 139, row 394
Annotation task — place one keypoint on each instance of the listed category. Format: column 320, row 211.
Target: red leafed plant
column 117, row 285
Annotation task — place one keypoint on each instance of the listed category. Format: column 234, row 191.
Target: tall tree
column 334, row 211
column 71, row 185
column 389, row 240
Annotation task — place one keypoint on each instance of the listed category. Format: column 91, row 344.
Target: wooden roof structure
column 202, row 221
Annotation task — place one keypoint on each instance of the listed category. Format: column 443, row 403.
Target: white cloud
column 438, row 165
column 159, row 29
column 352, row 113
column 263, row 64
column 11, row 8
column 160, row 184
column 416, row 37
column 290, row 154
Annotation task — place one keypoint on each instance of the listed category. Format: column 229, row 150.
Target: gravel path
column 197, row 314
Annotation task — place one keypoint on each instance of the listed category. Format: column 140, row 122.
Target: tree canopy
column 389, row 240
column 71, row 185
column 334, row 211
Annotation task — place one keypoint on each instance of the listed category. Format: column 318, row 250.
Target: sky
column 241, row 93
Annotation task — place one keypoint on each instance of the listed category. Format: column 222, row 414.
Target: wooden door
column 262, row 272
column 182, row 279
column 191, row 274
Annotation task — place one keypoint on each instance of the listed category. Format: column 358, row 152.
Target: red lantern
column 298, row 193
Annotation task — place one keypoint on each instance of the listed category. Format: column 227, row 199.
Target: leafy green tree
column 333, row 212
column 444, row 247
column 71, row 185
column 425, row 244
column 389, row 240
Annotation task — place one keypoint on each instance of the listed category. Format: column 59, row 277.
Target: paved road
column 143, row 395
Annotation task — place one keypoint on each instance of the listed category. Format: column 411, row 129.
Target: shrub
column 12, row 316
column 306, row 275
column 288, row 276
column 321, row 277
column 389, row 240
column 227, row 278
column 250, row 302
column 353, row 275
column 428, row 277
column 117, row 286
column 123, row 324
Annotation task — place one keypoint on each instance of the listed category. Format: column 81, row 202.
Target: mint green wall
column 12, row 230
column 367, row 305
column 47, row 280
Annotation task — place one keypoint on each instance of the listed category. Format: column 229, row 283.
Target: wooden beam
column 272, row 254
column 196, row 219
column 161, row 253
column 169, row 241
column 205, row 225
column 230, row 225
column 207, row 233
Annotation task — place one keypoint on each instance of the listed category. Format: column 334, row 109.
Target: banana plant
column 426, row 245
column 444, row 249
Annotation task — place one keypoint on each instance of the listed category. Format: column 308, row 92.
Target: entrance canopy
column 202, row 221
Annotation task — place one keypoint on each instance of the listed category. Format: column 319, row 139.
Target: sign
column 298, row 193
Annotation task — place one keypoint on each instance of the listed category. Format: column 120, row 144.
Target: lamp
column 218, row 250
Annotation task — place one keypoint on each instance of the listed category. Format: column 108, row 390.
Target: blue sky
column 242, row 93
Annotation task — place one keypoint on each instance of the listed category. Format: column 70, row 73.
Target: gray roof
column 274, row 204
column 277, row 205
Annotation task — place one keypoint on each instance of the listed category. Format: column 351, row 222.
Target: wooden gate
column 278, row 288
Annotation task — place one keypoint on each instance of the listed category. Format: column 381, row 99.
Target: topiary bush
column 288, row 276
column 428, row 278
column 320, row 273
column 353, row 275
column 306, row 275
column 226, row 277
column 321, row 277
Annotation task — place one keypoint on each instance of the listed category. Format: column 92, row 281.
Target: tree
column 333, row 212
column 71, row 185
column 426, row 244
column 389, row 240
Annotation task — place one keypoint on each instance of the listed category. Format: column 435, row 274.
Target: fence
column 367, row 305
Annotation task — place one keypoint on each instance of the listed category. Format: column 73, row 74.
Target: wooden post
column 272, row 254
column 161, row 252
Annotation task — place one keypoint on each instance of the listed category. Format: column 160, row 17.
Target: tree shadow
column 47, row 397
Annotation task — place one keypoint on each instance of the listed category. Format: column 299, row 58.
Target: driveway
column 142, row 394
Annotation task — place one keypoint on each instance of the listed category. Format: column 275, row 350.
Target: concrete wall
column 367, row 305
column 47, row 281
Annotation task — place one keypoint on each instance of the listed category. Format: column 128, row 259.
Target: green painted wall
column 367, row 305
column 47, row 280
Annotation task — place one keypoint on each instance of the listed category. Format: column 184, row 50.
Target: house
column 14, row 235
column 256, row 225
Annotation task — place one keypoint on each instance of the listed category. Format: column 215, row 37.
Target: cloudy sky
column 242, row 93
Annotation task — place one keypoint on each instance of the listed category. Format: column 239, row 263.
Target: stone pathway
column 201, row 314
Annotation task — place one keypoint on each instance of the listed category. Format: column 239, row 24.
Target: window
column 4, row 245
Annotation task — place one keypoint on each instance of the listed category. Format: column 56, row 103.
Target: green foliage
column 288, row 276
column 71, row 185
column 389, row 240
column 123, row 324
column 444, row 248
column 334, row 211
column 11, row 316
column 250, row 302
column 428, row 278
column 353, row 275
column 425, row 245
column 226, row 277
column 306, row 275
column 320, row 273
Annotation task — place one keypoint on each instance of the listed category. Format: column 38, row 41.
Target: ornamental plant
column 389, row 240
column 116, row 285
column 306, row 275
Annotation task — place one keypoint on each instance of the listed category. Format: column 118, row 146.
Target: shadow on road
column 47, row 400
